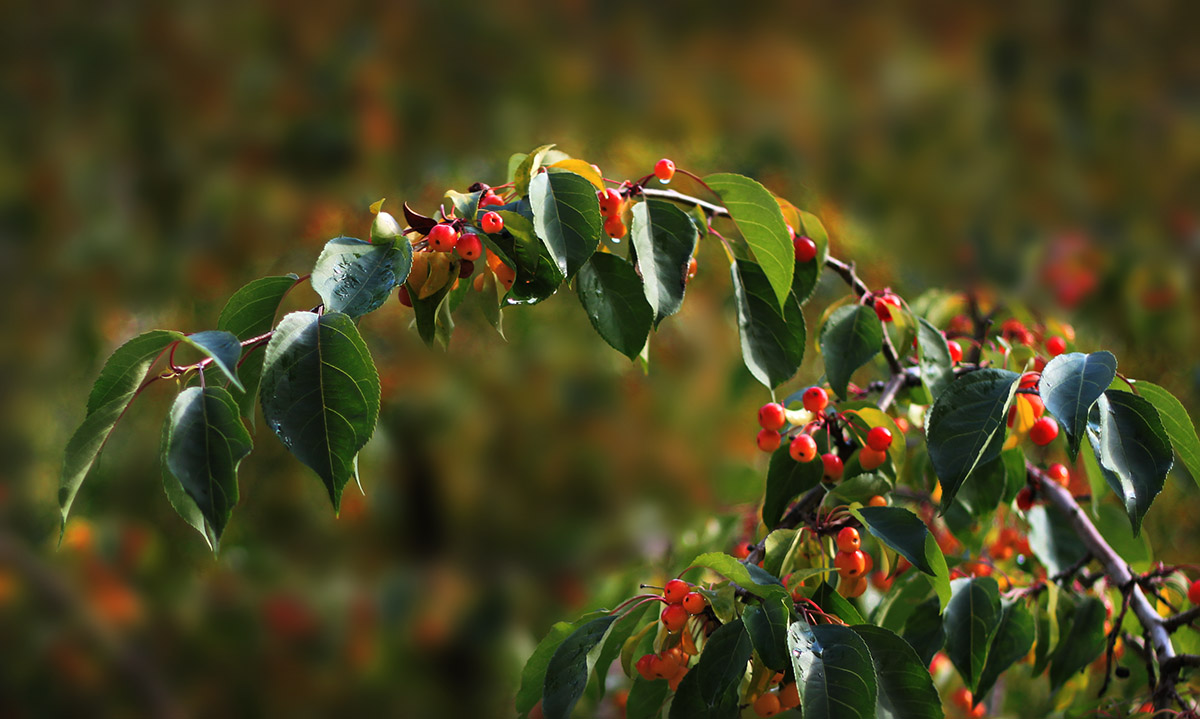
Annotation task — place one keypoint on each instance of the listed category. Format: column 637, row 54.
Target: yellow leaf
column 583, row 169
column 376, row 205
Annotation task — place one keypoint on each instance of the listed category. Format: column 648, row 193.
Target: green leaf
column 749, row 577
column 621, row 630
column 538, row 276
column 1014, row 639
column 1177, row 423
column 1083, row 643
column 834, row 672
column 983, row 493
column 851, row 336
column 567, row 671
column 114, row 389
column 355, row 277
column 205, row 443
column 250, row 313
column 1134, row 451
column 970, row 622
column 180, row 500
column 566, row 216
column 663, row 238
column 786, row 479
column 525, row 167
column 937, row 370
column 767, row 623
column 966, row 426
column 611, row 294
column 710, row 689
column 757, row 215
column 222, row 348
column 466, row 204
column 431, row 313
column 1047, row 627
column 1071, row 383
column 923, row 629
column 320, row 394
column 901, row 530
column 772, row 342
column 906, row 689
column 645, row 700
column 834, row 603
column 898, row 603
column 1052, row 540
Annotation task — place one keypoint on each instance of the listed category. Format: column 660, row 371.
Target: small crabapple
column 771, row 416
column 404, row 297
column 614, row 227
column 675, row 590
column 870, row 459
column 694, row 602
column 877, row 501
column 848, row 539
column 1194, row 592
column 1025, row 499
column 833, row 466
column 1056, row 346
column 850, row 564
column 492, row 223
column 804, row 248
column 879, row 439
column 610, row 202
column 1043, row 431
column 956, row 353
column 768, row 440
column 741, row 550
column 664, row 170
column 767, row 705
column 645, row 666
column 674, row 617
column 490, row 199
column 442, row 238
column 803, row 448
column 789, row 696
column 1059, row 473
column 469, row 247
column 506, row 275
column 815, row 400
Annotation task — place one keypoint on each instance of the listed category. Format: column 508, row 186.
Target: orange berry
column 850, row 564
column 644, row 667
column 768, row 440
column 848, row 539
column 879, row 439
column 614, row 227
column 741, row 550
column 506, row 275
column 1059, row 473
column 789, row 696
column 815, row 400
column 833, row 466
column 694, row 602
column 664, row 170
column 675, row 591
column 692, row 267
column 870, row 459
column 674, row 617
column 767, row 705
column 803, row 448
column 877, row 501
column 771, row 416
column 962, row 698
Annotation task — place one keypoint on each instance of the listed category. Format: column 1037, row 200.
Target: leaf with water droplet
column 355, row 277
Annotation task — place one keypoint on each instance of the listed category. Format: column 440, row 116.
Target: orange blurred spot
column 79, row 536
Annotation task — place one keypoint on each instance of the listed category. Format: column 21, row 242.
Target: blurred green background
column 154, row 157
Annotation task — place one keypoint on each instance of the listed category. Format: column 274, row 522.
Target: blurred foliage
column 155, row 157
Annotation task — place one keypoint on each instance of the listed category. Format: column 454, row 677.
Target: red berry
column 404, row 297
column 614, row 227
column 1194, row 592
column 1056, row 346
column 694, row 602
column 490, row 199
column 771, row 416
column 848, row 539
column 443, row 238
column 469, row 247
column 610, row 202
column 879, row 439
column 955, row 351
column 962, row 699
column 675, row 591
column 492, row 223
column 1043, row 431
column 767, row 705
column 741, row 550
column 645, row 666
column 883, row 310
column 805, row 249
column 870, row 459
column 833, row 466
column 693, row 265
column 664, row 170
column 1029, row 380
column 1025, row 499
column 815, row 400
column 850, row 565
column 1059, row 473
column 768, row 440
column 803, row 448
column 674, row 617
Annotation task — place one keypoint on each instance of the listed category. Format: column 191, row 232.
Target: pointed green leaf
column 830, row 601
column 205, row 443
column 983, row 493
column 663, row 238
column 1070, row 384
column 250, row 313
column 621, row 630
column 767, row 623
column 1051, row 606
column 466, row 204
column 851, row 336
column 757, row 215
column 180, row 501
column 224, row 350
column 834, row 672
column 904, row 532
column 83, row 448
column 645, row 700
column 566, row 216
column 749, row 577
column 538, row 276
column 787, row 479
column 937, row 369
column 1014, row 639
column 1052, row 540
column 432, row 314
column 1083, row 643
column 966, row 426
column 522, row 167
column 567, row 671
column 1132, row 447
column 772, row 342
column 970, row 622
column 898, row 603
column 320, row 393
column 924, row 630
column 906, row 689
column 355, row 277
column 611, row 294
column 1177, row 423
column 710, row 688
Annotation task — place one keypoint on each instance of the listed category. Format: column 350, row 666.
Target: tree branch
column 1181, row 620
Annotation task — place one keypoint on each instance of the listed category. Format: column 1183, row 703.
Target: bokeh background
column 154, row 157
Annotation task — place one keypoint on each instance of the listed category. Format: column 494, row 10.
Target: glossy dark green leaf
column 980, row 496
column 966, row 426
column 830, row 601
column 787, row 479
column 205, row 442
column 466, row 204
column 1082, row 643
column 355, row 277
column 1133, row 449
column 710, row 689
column 180, row 500
column 970, row 621
column 908, row 591
column 646, row 698
column 1052, row 540
column 622, row 629
column 611, row 293
column 767, row 623
column 1177, row 423
column 663, row 238
column 431, row 314
column 903, row 531
column 924, row 631
column 1070, row 384
column 566, row 216
column 320, row 394
column 1013, row 640
column 906, row 689
column 834, row 672
column 567, row 671
column 1014, row 473
column 250, row 313
column 937, row 369
column 538, row 276
column 851, row 336
column 749, row 577
column 757, row 215
column 222, row 348
column 772, row 341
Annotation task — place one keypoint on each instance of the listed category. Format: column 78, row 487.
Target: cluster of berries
column 852, row 563
column 1027, row 413
column 672, row 664
column 784, row 697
